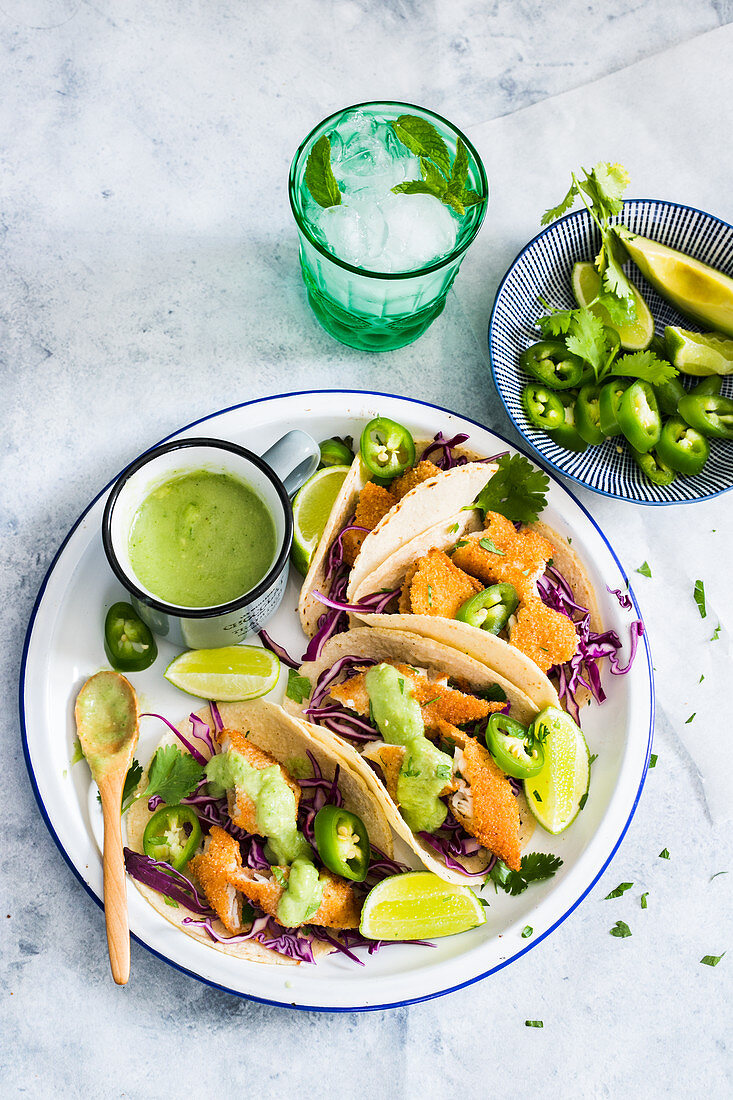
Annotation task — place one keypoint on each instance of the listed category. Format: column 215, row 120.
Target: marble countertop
column 150, row 276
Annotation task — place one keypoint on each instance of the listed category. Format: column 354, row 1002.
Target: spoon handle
column 115, row 887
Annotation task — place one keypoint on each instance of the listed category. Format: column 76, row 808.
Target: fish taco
column 409, row 714
column 221, row 836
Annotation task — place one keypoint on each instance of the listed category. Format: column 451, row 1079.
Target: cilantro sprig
column 173, row 775
column 299, row 687
column 516, row 490
column 535, row 867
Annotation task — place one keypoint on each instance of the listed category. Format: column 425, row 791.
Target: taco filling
column 445, row 784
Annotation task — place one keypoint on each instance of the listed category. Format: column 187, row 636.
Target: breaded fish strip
column 438, row 701
column 388, row 759
column 436, row 586
column 214, row 867
column 412, row 477
column 487, row 809
column 374, row 503
column 548, row 637
column 521, row 560
column 339, row 908
column 242, row 809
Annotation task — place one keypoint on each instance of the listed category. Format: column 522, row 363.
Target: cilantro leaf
column 133, row 777
column 487, row 544
column 620, row 889
column 699, row 595
column 278, row 875
column 643, row 899
column 711, row 960
column 611, row 180
column 517, row 490
column 620, row 929
column 587, row 339
column 664, row 854
column 562, row 207
column 615, row 279
column 535, row 867
column 557, row 323
column 644, row 569
column 299, row 687
column 645, row 365
column 319, row 177
column 173, row 775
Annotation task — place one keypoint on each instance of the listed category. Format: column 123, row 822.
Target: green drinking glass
column 400, row 194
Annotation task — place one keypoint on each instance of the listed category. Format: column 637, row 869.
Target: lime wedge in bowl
column 557, row 794
column 696, row 289
column 311, row 508
column 699, row 353
column 228, row 674
column 635, row 336
column 418, row 905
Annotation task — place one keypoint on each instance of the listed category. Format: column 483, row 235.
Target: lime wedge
column 418, row 905
column 311, row 508
column 228, row 674
column 555, row 795
column 635, row 336
column 697, row 290
column 699, row 353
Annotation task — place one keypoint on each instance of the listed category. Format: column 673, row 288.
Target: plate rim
column 548, row 462
column 289, row 1004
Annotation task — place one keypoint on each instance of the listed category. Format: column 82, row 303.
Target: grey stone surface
column 149, row 276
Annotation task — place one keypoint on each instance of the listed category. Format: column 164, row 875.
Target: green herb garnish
column 644, row 569
column 299, row 687
column 527, row 931
column 718, row 873
column 319, row 177
column 278, row 875
column 133, row 777
column 690, row 718
column 620, row 889
column 517, row 490
column 715, row 634
column 653, row 760
column 643, row 899
column 441, row 178
column 535, row 867
column 408, row 770
column 699, row 595
column 487, row 544
column 711, row 960
column 620, row 929
column 533, row 1023
column 172, row 776
column 664, row 854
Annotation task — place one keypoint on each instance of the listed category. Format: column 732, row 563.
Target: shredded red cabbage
column 163, row 878
column 623, row 598
column 201, row 731
column 452, row 840
column 316, row 793
column 375, row 604
column 264, row 930
column 331, row 622
column 335, row 556
column 218, row 724
column 278, row 650
column 348, row 664
column 442, row 450
column 199, row 757
column 582, row 671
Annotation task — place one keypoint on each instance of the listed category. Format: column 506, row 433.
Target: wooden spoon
column 107, row 719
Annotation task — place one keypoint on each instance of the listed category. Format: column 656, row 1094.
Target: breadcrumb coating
column 494, row 815
column 548, row 637
column 373, row 504
column 436, row 586
column 214, row 867
column 521, row 560
column 339, row 908
column 412, row 477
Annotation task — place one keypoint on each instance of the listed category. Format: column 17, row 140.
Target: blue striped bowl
column 543, row 268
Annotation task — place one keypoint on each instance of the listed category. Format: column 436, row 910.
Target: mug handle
column 294, row 459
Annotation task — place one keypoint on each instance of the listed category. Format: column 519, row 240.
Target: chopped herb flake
column 620, row 929
column 452, row 530
column 699, row 595
column 643, row 899
column 533, row 1023
column 527, row 931
column 644, row 569
column 430, row 595
column 620, row 889
column 299, row 687
column 536, row 795
column 718, row 873
column 664, row 854
column 690, row 718
column 487, row 544
column 701, row 678
column 711, row 960
column 715, row 634
column 653, row 760
column 278, row 875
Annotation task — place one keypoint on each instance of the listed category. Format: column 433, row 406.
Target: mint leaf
column 517, row 490
column 422, row 139
column 469, row 197
column 699, row 595
column 645, row 365
column 459, row 170
column 432, row 177
column 173, row 775
column 299, row 687
column 319, row 177
column 414, row 187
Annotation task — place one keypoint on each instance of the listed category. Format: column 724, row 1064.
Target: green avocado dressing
column 425, row 769
column 201, row 539
column 276, row 819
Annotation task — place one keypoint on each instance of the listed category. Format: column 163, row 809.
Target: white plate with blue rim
column 543, row 269
column 64, row 646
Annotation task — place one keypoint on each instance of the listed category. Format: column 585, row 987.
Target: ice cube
column 355, row 231
column 367, row 158
column 420, row 229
